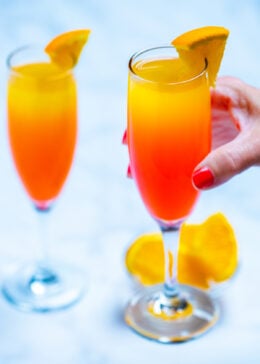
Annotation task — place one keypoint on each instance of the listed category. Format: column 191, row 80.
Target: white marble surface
column 99, row 211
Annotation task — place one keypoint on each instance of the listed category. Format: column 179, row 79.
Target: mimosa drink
column 168, row 134
column 42, row 127
column 42, row 124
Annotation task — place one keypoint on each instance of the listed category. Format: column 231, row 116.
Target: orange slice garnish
column 208, row 254
column 65, row 49
column 203, row 43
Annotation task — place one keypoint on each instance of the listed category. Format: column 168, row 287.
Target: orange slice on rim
column 207, row 42
column 65, row 49
column 208, row 254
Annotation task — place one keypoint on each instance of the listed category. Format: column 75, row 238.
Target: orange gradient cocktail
column 169, row 133
column 42, row 123
column 42, row 128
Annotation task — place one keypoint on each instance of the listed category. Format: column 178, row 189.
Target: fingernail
column 129, row 173
column 124, row 139
column 203, row 178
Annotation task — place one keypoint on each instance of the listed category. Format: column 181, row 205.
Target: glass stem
column 43, row 234
column 44, row 278
column 171, row 243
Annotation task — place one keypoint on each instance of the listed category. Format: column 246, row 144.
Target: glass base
column 43, row 289
column 150, row 316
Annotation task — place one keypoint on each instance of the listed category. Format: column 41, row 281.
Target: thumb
column 225, row 162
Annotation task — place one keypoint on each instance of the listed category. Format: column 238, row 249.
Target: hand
column 235, row 133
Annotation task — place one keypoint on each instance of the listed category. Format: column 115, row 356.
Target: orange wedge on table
column 65, row 49
column 208, row 254
column 203, row 43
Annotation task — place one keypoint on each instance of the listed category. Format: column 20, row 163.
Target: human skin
column 235, row 133
column 235, row 113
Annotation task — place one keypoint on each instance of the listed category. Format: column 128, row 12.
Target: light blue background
column 99, row 211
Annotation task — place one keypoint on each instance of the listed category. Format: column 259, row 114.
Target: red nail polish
column 124, row 139
column 203, row 178
column 129, row 173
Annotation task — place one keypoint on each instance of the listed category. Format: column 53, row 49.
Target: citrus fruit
column 65, row 49
column 203, row 43
column 145, row 259
column 207, row 254
column 214, row 244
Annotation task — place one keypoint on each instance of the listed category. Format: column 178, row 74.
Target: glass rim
column 167, row 46
column 34, row 47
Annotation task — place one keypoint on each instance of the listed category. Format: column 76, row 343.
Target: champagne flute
column 42, row 128
column 168, row 133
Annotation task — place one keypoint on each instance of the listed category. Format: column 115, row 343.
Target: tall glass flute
column 42, row 127
column 168, row 134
